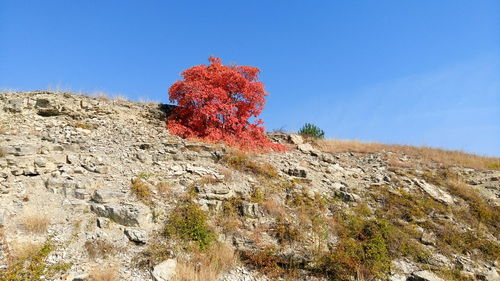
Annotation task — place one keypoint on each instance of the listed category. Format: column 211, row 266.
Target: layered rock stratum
column 93, row 188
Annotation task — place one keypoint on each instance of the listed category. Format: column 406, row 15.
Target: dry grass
column 141, row 190
column 120, row 98
column 478, row 206
column 231, row 225
column 164, row 188
column 100, row 248
column 427, row 154
column 209, row 179
column 24, row 250
column 244, row 162
column 100, row 96
column 206, row 266
column 273, row 207
column 34, row 222
column 85, row 126
column 227, row 173
column 109, row 273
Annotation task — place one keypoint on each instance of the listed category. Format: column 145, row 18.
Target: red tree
column 216, row 103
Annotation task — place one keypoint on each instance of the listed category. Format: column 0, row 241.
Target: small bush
column 451, row 240
column 312, row 131
column 189, row 223
column 362, row 250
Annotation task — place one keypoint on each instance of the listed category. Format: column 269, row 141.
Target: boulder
column 490, row 275
column 136, row 235
column 251, row 210
column 126, row 214
column 22, row 150
column 297, row 171
column 164, row 271
column 434, row 192
column 295, row 139
column 42, row 103
column 15, row 105
column 308, row 149
column 428, row 238
column 60, row 185
column 106, row 195
column 424, row 275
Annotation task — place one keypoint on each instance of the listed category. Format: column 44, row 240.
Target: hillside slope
column 93, row 188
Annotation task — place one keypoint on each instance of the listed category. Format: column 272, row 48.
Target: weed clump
column 189, row 223
column 240, row 161
column 35, row 223
column 85, row 126
column 99, row 248
column 141, row 190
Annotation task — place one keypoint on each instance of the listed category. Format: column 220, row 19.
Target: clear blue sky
column 423, row 72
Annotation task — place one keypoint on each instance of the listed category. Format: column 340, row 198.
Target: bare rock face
column 435, row 192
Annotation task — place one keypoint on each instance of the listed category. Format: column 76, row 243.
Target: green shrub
column 189, row 223
column 362, row 250
column 311, row 130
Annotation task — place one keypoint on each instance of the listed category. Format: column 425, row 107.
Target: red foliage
column 215, row 103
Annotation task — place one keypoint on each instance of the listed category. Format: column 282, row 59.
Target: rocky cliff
column 93, row 188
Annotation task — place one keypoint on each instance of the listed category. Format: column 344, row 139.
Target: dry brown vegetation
column 108, row 273
column 227, row 173
column 85, row 126
column 100, row 248
column 35, row 223
column 244, row 162
column 206, row 266
column 426, row 154
column 141, row 190
column 164, row 188
column 24, row 250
